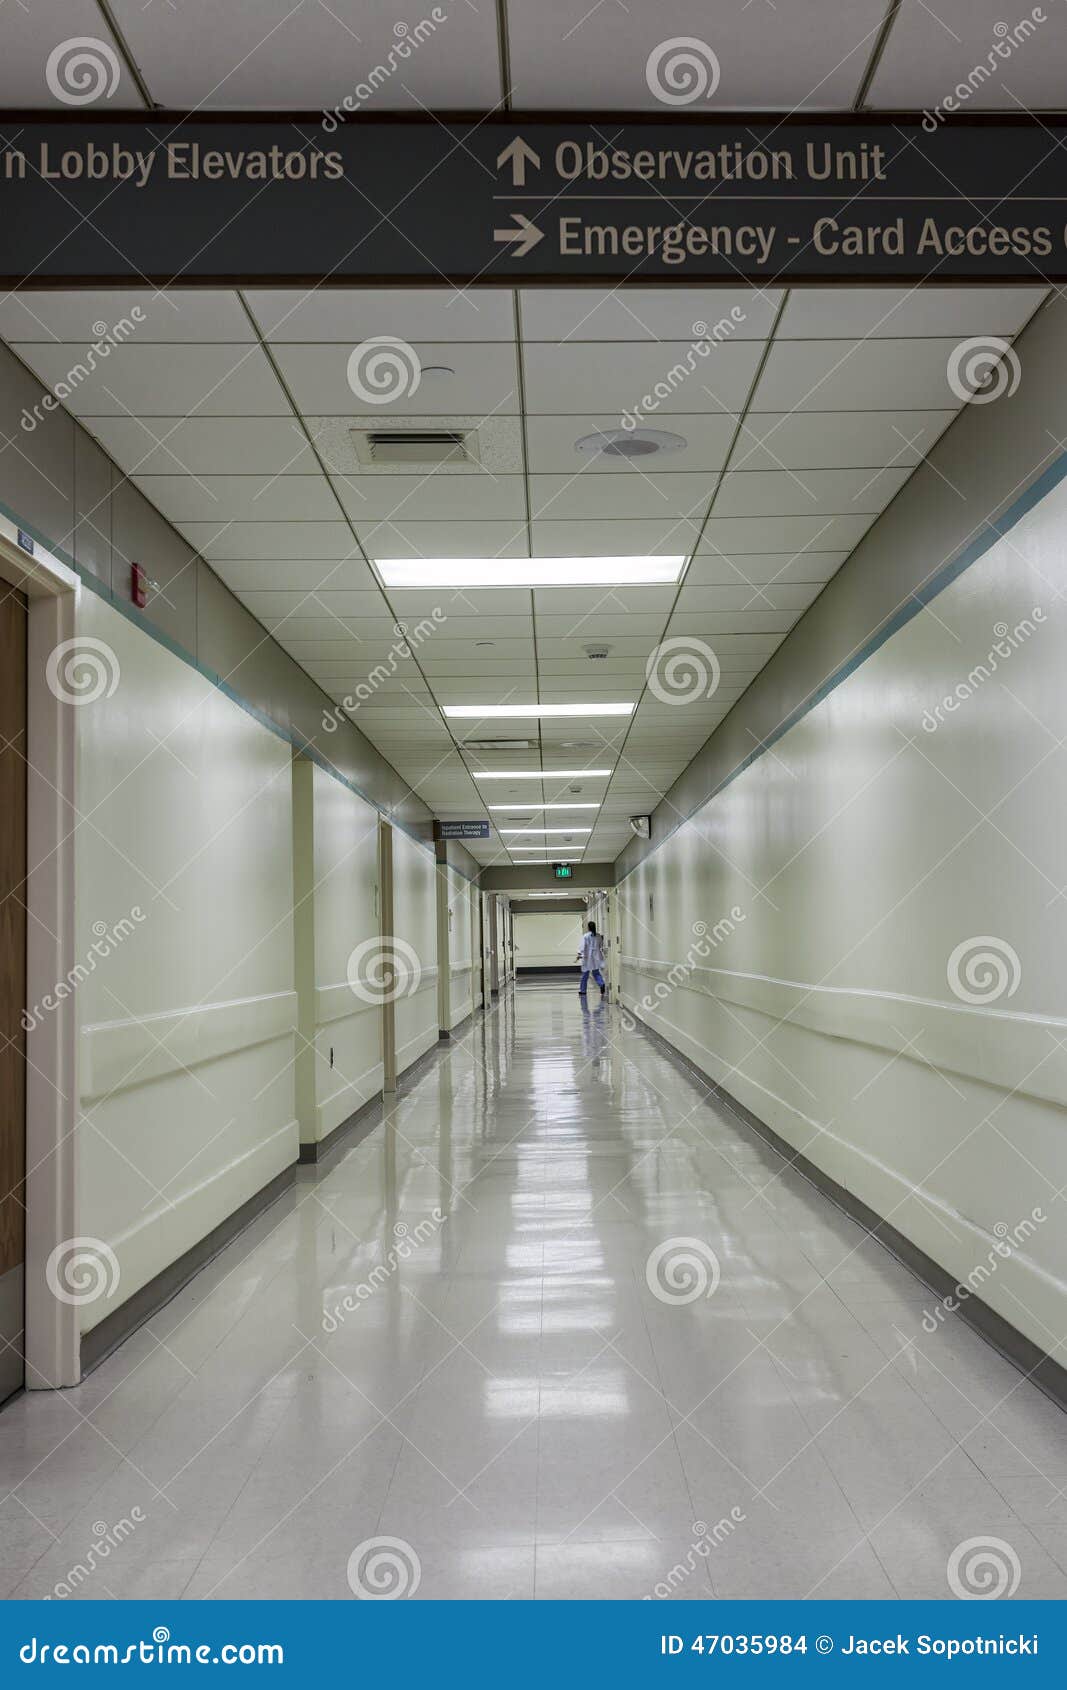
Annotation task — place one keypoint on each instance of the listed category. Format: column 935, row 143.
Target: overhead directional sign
column 530, row 199
column 463, row 830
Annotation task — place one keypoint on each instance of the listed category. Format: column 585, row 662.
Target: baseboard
column 1036, row 1364
column 447, row 1034
column 416, row 1069
column 361, row 1121
column 97, row 1344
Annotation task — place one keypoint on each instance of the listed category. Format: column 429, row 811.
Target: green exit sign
column 562, row 871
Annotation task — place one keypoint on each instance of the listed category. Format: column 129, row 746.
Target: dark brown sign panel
column 527, row 200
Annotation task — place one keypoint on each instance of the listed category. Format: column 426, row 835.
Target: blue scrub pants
column 597, row 976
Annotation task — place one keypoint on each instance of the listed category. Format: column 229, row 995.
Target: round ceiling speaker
column 629, row 443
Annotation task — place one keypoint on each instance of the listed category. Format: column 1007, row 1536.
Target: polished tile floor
column 561, row 1327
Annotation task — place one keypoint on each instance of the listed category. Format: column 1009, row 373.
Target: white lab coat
column 592, row 953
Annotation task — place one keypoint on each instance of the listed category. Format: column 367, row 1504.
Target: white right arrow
column 518, row 154
column 525, row 236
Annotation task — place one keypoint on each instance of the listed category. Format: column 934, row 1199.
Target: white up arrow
column 525, row 236
column 518, row 154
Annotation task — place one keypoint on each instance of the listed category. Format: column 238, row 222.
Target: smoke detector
column 596, row 652
column 629, row 443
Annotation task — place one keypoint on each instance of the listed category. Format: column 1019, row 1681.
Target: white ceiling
column 309, row 54
column 231, row 413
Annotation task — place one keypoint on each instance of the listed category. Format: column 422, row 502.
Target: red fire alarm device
column 138, row 586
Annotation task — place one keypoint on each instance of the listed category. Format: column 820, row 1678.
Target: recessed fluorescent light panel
column 537, row 808
column 568, row 831
column 447, row 572
column 482, row 712
column 541, row 774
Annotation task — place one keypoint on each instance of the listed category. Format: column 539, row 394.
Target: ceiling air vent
column 415, row 448
column 500, row 745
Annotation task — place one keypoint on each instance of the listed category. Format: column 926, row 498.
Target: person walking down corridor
column 591, row 957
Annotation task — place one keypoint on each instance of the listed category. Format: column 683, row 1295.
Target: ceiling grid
column 232, row 412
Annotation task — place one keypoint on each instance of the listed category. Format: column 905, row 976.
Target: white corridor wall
column 457, row 931
column 818, row 915
column 548, row 938
column 186, row 1030
column 336, row 872
column 415, row 928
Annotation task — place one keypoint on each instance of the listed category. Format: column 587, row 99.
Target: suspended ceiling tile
column 34, row 31
column 469, row 629
column 932, row 49
column 670, row 376
column 618, row 675
column 900, row 313
column 220, row 540
column 714, row 622
column 349, row 315
column 440, row 498
column 363, row 633
column 605, row 618
column 223, row 498
column 668, row 537
column 836, row 439
column 650, row 314
column 442, row 539
column 641, row 494
column 446, row 655
column 149, row 314
column 339, row 647
column 206, row 445
column 747, row 645
column 899, row 374
column 578, row 601
column 155, row 381
column 597, row 680
column 301, row 575
column 703, row 444
column 710, row 568
column 779, row 533
column 442, row 379
column 356, row 608
column 277, row 54
column 810, row 56
column 514, row 688
column 474, row 601
column 807, row 492
column 743, row 596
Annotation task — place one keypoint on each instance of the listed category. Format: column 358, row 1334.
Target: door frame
column 385, row 934
column 53, row 1333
